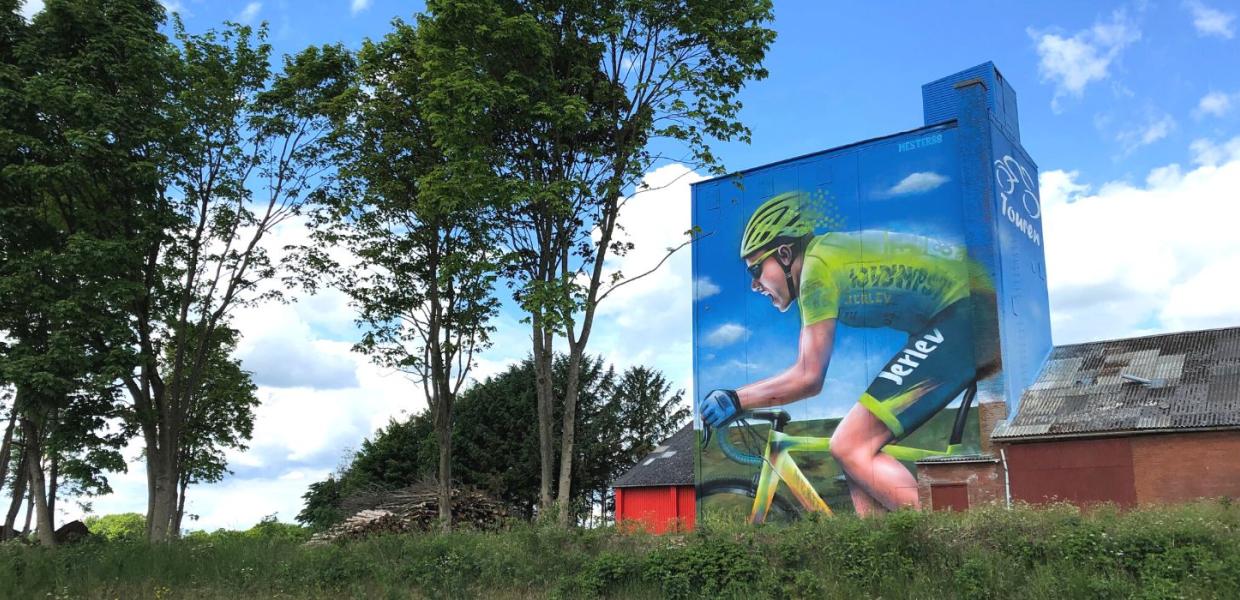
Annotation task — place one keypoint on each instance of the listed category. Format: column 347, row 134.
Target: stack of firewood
column 412, row 509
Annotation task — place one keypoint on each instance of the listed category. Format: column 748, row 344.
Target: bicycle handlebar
column 776, row 417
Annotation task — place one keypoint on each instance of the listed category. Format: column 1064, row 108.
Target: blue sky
column 1130, row 109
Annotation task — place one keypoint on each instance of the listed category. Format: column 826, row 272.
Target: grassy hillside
column 1190, row 551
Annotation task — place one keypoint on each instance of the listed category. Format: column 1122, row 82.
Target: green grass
column 1190, row 551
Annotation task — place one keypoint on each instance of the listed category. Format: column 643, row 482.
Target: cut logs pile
column 412, row 509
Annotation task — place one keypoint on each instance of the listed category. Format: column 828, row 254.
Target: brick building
column 1151, row 419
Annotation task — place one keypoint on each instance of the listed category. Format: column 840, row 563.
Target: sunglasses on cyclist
column 755, row 269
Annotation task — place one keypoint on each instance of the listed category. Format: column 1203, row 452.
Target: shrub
column 124, row 527
column 1188, row 551
column 272, row 530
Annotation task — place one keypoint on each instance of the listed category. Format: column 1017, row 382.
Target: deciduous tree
column 419, row 227
column 250, row 149
column 571, row 96
column 82, row 89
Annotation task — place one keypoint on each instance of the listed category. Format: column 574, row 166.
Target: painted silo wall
column 909, row 273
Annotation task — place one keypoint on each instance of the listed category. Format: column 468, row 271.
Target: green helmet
column 779, row 217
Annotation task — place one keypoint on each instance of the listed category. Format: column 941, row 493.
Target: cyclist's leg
column 864, row 503
column 932, row 369
column 876, row 482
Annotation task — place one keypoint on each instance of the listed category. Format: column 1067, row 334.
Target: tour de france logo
column 1013, row 180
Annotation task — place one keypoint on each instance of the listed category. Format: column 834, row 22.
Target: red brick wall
column 988, row 414
column 1079, row 471
column 1139, row 469
column 984, row 481
column 1183, row 466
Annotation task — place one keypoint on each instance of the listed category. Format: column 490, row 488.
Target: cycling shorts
column 957, row 346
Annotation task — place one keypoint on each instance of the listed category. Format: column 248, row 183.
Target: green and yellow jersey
column 884, row 279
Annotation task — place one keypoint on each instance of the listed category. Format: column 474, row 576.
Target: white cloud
column 174, row 6
column 313, row 425
column 1072, row 63
column 726, row 334
column 1129, row 260
column 286, row 362
column 704, row 288
column 250, row 12
column 649, row 321
column 1210, row 21
column 1061, row 187
column 1208, row 153
column 1207, row 298
column 357, row 6
column 30, row 8
column 917, row 183
column 1153, row 129
column 1215, row 104
column 282, row 348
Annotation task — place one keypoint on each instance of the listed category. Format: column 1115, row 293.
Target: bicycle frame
column 779, row 465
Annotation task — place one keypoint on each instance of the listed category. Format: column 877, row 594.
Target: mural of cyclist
column 867, row 279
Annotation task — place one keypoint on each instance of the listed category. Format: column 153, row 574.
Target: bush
column 1188, row 551
column 272, row 530
column 124, row 527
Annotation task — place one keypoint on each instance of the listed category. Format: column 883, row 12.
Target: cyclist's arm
column 803, row 379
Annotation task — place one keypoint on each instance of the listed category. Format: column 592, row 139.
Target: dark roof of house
column 670, row 464
column 1172, row 382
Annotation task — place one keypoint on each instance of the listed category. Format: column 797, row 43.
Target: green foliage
column 556, row 106
column 398, row 455
column 124, row 527
column 81, row 87
column 1188, row 551
column 270, row 530
column 495, row 438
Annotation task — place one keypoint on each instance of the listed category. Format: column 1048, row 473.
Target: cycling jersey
column 919, row 285
column 883, row 279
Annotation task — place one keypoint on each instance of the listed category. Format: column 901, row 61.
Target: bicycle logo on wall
column 1013, row 179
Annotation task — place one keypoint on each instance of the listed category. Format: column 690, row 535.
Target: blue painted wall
column 960, row 183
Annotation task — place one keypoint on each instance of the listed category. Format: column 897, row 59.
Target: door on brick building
column 949, row 496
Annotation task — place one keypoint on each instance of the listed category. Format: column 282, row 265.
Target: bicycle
column 777, row 463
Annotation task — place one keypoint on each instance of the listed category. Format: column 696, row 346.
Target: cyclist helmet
column 778, row 219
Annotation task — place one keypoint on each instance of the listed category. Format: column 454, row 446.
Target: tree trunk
column 152, row 460
column 29, row 510
column 43, row 517
column 6, row 448
column 443, row 434
column 568, row 432
column 163, row 504
column 53, row 485
column 176, row 520
column 163, row 476
column 19, row 495
column 544, row 390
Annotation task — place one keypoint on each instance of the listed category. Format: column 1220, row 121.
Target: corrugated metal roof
column 670, row 464
column 1193, row 383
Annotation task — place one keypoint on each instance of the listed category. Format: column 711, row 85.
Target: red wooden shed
column 657, row 493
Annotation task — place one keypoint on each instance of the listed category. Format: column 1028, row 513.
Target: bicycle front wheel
column 735, row 495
